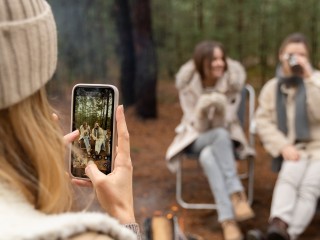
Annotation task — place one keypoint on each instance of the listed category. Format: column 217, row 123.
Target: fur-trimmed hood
column 226, row 95
column 19, row 220
column 235, row 73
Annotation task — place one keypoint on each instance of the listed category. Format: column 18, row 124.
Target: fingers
column 123, row 137
column 290, row 153
column 81, row 183
column 295, row 156
column 93, row 172
column 291, row 157
column 70, row 137
column 55, row 117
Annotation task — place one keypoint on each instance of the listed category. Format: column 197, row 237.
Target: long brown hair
column 203, row 54
column 32, row 154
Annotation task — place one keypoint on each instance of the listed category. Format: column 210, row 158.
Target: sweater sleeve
column 313, row 95
column 99, row 236
column 135, row 228
column 272, row 138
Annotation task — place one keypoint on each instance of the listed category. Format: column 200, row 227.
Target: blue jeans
column 87, row 143
column 216, row 157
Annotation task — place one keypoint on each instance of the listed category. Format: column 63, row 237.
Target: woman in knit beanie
column 35, row 193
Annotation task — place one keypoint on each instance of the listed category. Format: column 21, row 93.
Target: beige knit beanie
column 28, row 48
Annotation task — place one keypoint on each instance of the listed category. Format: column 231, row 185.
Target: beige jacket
column 225, row 98
column 266, row 120
column 100, row 132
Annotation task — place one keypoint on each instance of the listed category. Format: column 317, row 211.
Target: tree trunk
column 239, row 28
column 263, row 43
column 126, row 51
column 146, row 66
column 314, row 32
column 199, row 15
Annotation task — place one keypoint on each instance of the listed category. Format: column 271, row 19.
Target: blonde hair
column 32, row 154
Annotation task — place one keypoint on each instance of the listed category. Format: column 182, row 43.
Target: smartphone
column 93, row 108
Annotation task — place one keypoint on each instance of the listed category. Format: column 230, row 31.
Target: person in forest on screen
column 287, row 121
column 210, row 86
column 98, row 136
column 85, row 135
column 35, row 191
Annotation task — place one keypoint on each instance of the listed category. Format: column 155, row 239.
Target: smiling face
column 217, row 64
column 214, row 67
column 210, row 62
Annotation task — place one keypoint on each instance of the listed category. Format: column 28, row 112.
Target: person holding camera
column 36, row 196
column 98, row 137
column 210, row 88
column 287, row 121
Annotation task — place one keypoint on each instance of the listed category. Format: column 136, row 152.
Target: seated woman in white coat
column 85, row 135
column 209, row 88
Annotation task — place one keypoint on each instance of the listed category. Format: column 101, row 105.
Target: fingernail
column 88, row 169
column 121, row 108
column 75, row 132
column 55, row 116
column 90, row 162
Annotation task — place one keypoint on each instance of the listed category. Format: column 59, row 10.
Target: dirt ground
column 154, row 184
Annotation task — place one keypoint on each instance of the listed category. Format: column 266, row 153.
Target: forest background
column 139, row 45
column 135, row 43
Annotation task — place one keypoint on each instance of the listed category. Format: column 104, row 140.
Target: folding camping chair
column 245, row 113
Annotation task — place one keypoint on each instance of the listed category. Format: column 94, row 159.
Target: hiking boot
column 255, row 234
column 231, row 230
column 277, row 230
column 241, row 207
column 191, row 236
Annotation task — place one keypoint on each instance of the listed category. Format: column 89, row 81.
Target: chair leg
column 250, row 179
column 179, row 198
column 187, row 205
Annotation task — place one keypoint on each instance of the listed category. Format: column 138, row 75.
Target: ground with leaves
column 154, row 184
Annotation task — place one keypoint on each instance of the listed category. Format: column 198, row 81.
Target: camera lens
column 296, row 68
column 292, row 60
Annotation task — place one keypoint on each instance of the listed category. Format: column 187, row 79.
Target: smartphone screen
column 93, row 114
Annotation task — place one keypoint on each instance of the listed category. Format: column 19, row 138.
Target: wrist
column 125, row 216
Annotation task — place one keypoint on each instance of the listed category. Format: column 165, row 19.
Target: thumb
column 70, row 137
column 93, row 172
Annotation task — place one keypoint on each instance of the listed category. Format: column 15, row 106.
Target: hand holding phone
column 114, row 191
column 93, row 114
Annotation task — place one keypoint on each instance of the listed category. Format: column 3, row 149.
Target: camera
column 296, row 68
